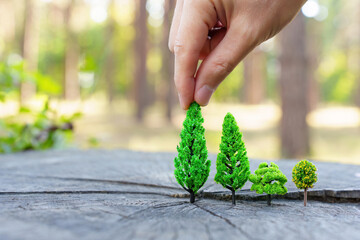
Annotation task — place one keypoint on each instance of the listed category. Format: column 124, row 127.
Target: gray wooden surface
column 100, row 194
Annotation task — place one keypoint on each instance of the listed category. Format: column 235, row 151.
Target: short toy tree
column 192, row 167
column 304, row 176
column 232, row 164
column 268, row 179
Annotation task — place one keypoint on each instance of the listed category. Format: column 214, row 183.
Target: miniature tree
column 232, row 163
column 268, row 179
column 304, row 176
column 192, row 167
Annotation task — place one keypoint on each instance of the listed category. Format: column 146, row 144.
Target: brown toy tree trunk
column 233, row 197
column 305, row 197
column 192, row 197
column 269, row 200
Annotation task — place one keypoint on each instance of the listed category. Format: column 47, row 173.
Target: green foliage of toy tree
column 304, row 176
column 192, row 167
column 268, row 179
column 232, row 164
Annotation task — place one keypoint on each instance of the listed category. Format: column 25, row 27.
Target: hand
column 235, row 27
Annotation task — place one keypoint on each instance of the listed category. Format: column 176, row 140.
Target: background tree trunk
column 254, row 77
column 357, row 94
column 140, row 83
column 168, row 60
column 71, row 88
column 110, row 58
column 30, row 46
column 313, row 52
column 294, row 89
column 8, row 28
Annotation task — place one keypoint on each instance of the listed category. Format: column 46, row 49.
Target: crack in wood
column 106, row 181
column 324, row 195
column 317, row 195
column 108, row 212
column 169, row 204
column 161, row 205
column 84, row 192
column 203, row 195
column 208, row 232
column 224, row 219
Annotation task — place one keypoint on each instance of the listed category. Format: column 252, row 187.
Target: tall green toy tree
column 304, row 176
column 268, row 179
column 232, row 164
column 192, row 167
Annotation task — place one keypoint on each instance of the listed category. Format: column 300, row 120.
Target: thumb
column 220, row 62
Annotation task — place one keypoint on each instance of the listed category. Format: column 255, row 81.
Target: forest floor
column 334, row 130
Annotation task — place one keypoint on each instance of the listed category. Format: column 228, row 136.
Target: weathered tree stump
column 131, row 195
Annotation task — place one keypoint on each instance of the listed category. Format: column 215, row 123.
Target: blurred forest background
column 98, row 73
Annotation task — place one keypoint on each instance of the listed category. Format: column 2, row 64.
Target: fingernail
column 204, row 94
column 181, row 101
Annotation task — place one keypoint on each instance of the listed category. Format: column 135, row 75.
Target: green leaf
column 24, row 110
column 2, row 97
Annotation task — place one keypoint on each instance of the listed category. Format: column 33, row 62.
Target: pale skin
column 236, row 27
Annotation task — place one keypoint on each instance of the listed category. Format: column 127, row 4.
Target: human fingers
column 197, row 18
column 213, row 40
column 235, row 45
column 175, row 24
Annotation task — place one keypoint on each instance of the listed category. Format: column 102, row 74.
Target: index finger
column 175, row 23
column 198, row 17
